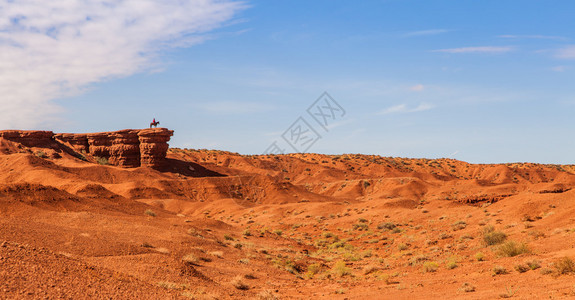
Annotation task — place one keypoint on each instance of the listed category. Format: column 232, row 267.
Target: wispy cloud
column 560, row 68
column 484, row 49
column 54, row 49
column 538, row 37
column 403, row 108
column 417, row 88
column 426, row 32
column 566, row 52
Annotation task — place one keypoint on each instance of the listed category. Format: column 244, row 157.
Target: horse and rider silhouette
column 154, row 123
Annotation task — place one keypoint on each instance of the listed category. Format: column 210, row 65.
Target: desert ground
column 218, row 225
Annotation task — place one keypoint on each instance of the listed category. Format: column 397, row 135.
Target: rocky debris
column 127, row 148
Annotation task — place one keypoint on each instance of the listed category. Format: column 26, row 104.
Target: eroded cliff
column 125, row 148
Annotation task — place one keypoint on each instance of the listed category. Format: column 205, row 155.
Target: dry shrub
column 499, row 270
column 238, row 283
column 521, row 268
column 467, row 287
column 564, row 265
column 218, row 254
column 533, row 264
column 430, row 266
column 492, row 237
column 267, row 295
column 191, row 258
column 458, row 225
column 512, row 248
column 340, row 269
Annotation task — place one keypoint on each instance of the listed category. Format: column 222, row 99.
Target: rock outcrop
column 153, row 146
column 125, row 148
column 29, row 138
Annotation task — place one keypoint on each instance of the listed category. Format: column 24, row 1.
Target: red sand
column 291, row 226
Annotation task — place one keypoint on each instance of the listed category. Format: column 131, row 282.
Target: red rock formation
column 78, row 142
column 29, row 138
column 154, row 146
column 125, row 148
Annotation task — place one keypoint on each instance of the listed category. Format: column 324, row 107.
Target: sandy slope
column 291, row 226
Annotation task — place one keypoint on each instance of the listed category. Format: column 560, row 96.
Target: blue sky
column 480, row 81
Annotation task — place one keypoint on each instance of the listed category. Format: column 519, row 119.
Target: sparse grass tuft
column 479, row 256
column 458, row 225
column 361, row 227
column 402, row 247
column 509, row 292
column 512, row 248
column 313, row 270
column 238, row 283
column 492, row 237
column 172, row 285
column 430, row 266
column 386, row 226
column 467, row 287
column 451, row 265
column 267, row 295
column 416, row 260
column 521, row 268
column 498, row 270
column 340, row 269
column 191, row 258
column 218, row 254
column 533, row 264
column 150, row 213
column 564, row 265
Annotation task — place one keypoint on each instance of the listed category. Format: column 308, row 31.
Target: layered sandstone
column 125, row 148
column 29, row 138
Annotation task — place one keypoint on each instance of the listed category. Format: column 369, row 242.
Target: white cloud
column 403, row 108
column 417, row 88
column 426, row 32
column 566, row 52
column 485, row 49
column 53, row 49
column 539, row 37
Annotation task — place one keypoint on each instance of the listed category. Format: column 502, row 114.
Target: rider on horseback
column 154, row 123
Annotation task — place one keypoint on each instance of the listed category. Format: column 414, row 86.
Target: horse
column 155, row 124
